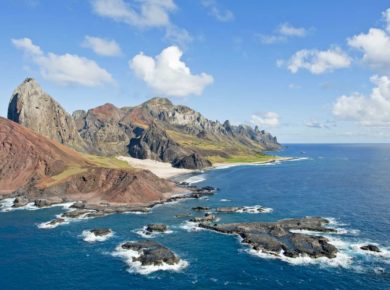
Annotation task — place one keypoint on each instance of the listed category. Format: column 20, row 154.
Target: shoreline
column 167, row 171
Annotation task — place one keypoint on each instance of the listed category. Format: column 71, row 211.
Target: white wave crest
column 196, row 179
column 62, row 220
column 149, row 235
column 90, row 237
column 298, row 159
column 136, row 267
column 341, row 259
column 255, row 209
column 191, row 226
column 6, row 205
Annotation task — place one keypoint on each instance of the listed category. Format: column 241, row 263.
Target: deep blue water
column 350, row 183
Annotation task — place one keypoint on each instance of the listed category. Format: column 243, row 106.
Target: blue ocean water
column 349, row 183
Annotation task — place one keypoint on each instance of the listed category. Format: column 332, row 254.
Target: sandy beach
column 161, row 169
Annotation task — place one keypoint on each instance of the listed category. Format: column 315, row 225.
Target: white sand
column 161, row 169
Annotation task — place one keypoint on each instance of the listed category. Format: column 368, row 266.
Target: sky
column 306, row 71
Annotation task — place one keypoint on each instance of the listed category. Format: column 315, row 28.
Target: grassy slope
column 221, row 151
column 94, row 161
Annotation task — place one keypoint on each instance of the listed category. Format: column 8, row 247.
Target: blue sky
column 307, row 71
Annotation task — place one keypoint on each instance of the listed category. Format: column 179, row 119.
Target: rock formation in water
column 279, row 238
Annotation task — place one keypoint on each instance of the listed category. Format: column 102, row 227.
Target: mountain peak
column 158, row 101
column 33, row 108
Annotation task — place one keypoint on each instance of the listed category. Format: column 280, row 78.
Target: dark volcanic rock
column 228, row 209
column 47, row 202
column 192, row 161
column 101, row 232
column 20, row 201
column 56, row 221
column 276, row 237
column 151, row 253
column 156, row 228
column 75, row 213
column 208, row 217
column 371, row 248
column 200, row 208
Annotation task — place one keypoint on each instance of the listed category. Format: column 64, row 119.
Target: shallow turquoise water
column 350, row 183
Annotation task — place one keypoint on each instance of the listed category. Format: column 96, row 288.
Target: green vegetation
column 256, row 158
column 93, row 161
column 107, row 162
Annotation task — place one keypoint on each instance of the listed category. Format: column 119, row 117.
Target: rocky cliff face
column 33, row 108
column 37, row 167
column 156, row 129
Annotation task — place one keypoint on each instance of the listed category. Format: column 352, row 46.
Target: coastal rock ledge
column 281, row 237
column 151, row 253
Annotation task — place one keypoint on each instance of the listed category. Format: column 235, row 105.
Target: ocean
column 349, row 184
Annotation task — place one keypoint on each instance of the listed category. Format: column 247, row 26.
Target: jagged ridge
column 156, row 129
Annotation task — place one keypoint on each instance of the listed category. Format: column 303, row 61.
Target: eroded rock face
column 156, row 228
column 101, row 232
column 277, row 237
column 20, row 201
column 48, row 202
column 371, row 248
column 192, row 161
column 151, row 253
column 33, row 108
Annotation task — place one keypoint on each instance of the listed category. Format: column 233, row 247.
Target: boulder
column 371, row 248
column 151, row 253
column 276, row 237
column 20, row 201
column 156, row 228
column 101, row 232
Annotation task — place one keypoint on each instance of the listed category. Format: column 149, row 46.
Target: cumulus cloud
column 317, row 61
column 267, row 119
column 168, row 75
column 223, row 15
column 143, row 14
column 282, row 34
column 372, row 110
column 66, row 68
column 375, row 46
column 102, row 46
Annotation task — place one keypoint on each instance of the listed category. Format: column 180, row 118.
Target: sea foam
column 149, row 235
column 90, row 237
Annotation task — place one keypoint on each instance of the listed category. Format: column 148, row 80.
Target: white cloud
column 318, row 62
column 373, row 110
column 223, row 15
column 150, row 13
column 66, row 68
column 282, row 34
column 27, row 45
column 289, row 30
column 143, row 14
column 386, row 17
column 375, row 46
column 268, row 119
column 317, row 124
column 168, row 75
column 102, row 46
